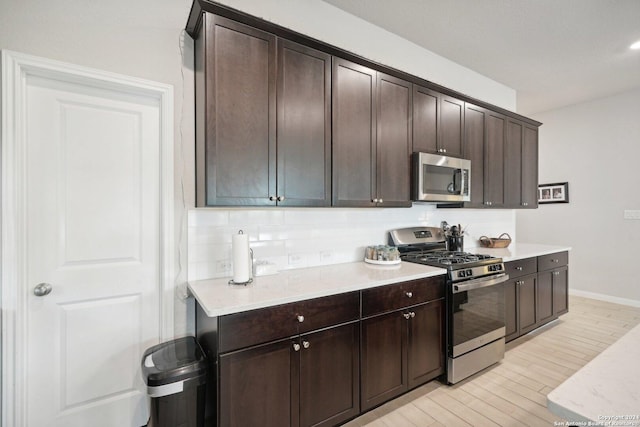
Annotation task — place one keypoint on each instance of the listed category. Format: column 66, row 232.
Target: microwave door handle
column 456, row 189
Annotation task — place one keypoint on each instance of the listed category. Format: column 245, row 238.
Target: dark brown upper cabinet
column 286, row 120
column 371, row 137
column 235, row 114
column 484, row 146
column 304, row 126
column 438, row 122
column 494, row 163
column 521, row 165
column 393, row 142
column 241, row 100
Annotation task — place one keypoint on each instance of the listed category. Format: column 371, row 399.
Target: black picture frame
column 557, row 192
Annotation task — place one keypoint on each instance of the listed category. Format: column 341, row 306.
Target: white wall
column 595, row 146
column 145, row 38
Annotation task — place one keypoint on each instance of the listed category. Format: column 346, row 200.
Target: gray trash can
column 176, row 374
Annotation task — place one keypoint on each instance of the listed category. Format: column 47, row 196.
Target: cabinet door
column 494, row 159
column 258, row 386
column 425, row 119
column 304, row 126
column 560, row 291
column 527, row 303
column 513, row 164
column 545, row 297
column 329, row 376
column 511, row 309
column 383, row 362
column 236, row 128
column 354, row 134
column 475, row 125
column 530, row 167
column 451, row 125
column 425, row 358
column 393, row 141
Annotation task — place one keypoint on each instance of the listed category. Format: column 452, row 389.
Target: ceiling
column 554, row 53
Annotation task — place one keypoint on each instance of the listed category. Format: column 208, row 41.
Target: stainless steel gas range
column 475, row 299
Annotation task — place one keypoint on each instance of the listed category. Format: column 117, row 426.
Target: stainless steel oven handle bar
column 481, row 283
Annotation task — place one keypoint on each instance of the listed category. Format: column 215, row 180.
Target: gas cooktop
column 427, row 246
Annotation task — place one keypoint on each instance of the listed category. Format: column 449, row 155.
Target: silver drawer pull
column 409, row 294
column 519, row 268
column 412, row 314
column 306, row 344
column 406, row 315
column 300, row 318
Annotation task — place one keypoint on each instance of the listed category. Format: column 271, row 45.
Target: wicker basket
column 500, row 242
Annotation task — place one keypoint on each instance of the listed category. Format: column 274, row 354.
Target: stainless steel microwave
column 439, row 178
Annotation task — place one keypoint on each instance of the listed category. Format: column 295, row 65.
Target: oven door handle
column 480, row 283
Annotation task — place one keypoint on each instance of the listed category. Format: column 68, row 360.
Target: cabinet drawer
column 253, row 327
column 400, row 295
column 549, row 262
column 256, row 326
column 328, row 311
column 521, row 267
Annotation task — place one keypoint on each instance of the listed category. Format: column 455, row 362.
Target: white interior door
column 92, row 181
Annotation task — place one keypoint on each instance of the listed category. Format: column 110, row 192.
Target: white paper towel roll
column 241, row 259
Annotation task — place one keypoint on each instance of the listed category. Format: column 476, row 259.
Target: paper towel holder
column 251, row 262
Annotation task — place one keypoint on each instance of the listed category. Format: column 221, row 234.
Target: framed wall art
column 553, row 193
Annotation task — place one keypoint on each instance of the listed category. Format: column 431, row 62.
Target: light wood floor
column 513, row 393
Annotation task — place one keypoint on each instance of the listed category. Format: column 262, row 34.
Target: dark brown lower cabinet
column 308, row 380
column 401, row 350
column 536, row 293
column 545, row 297
column 560, row 291
column 258, row 386
column 527, row 303
column 520, row 306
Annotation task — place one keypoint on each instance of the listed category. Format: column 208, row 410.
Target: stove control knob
column 469, row 273
column 462, row 273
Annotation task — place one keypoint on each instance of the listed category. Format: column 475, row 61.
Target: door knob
column 42, row 289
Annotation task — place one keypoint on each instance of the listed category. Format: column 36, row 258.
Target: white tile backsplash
column 297, row 238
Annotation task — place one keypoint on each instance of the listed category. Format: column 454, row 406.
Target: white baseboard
column 603, row 297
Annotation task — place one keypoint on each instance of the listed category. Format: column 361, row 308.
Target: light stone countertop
column 606, row 390
column 218, row 298
column 517, row 251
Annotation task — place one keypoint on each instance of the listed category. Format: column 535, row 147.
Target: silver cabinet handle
column 412, row 314
column 406, row 315
column 409, row 294
column 42, row 289
column 272, row 198
column 296, row 347
column 280, row 198
column 306, row 344
column 555, row 260
column 375, row 200
column 519, row 268
column 300, row 319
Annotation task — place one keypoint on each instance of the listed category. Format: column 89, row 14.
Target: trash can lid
column 173, row 361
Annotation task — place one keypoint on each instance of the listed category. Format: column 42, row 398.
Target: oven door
column 440, row 178
column 477, row 313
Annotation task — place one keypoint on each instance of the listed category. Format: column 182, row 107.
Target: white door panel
column 93, row 216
